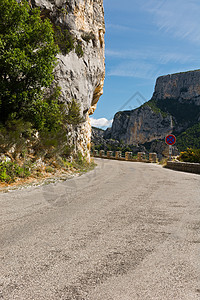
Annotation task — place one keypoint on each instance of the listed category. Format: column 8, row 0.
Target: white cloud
column 119, row 27
column 134, row 69
column 101, row 123
column 152, row 53
column 147, row 63
column 177, row 17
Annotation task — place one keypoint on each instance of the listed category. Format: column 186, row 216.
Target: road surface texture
column 124, row 231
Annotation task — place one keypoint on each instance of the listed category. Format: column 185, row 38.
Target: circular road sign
column 170, row 139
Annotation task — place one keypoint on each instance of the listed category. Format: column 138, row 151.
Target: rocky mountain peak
column 174, row 107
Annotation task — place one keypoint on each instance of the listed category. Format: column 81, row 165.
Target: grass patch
column 163, row 162
column 19, row 171
column 80, row 164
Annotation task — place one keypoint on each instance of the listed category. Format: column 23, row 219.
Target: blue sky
column 144, row 40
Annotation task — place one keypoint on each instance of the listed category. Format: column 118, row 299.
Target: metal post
column 170, row 152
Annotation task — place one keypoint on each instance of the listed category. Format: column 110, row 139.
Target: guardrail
column 184, row 167
column 128, row 156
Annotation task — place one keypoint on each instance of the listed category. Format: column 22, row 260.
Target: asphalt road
column 125, row 231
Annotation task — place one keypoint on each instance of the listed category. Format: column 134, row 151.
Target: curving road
column 125, row 231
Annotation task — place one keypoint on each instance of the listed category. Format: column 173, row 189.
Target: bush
column 10, row 170
column 64, row 39
column 79, row 50
column 190, row 155
column 87, row 36
column 74, row 113
column 16, row 136
column 52, row 144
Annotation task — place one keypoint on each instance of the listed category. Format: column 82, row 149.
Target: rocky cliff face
column 79, row 74
column 174, row 107
column 139, row 126
column 180, row 86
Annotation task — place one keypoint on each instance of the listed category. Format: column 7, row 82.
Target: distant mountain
column 173, row 108
column 100, row 143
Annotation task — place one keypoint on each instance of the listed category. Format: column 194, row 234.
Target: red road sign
column 170, row 139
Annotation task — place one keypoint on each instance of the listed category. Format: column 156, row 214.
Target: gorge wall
column 173, row 108
column 139, row 126
column 180, row 86
column 80, row 73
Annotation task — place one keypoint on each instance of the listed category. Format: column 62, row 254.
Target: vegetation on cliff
column 181, row 112
column 155, row 107
column 189, row 138
column 185, row 114
column 33, row 122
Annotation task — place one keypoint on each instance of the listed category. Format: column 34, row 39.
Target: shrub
column 49, row 169
column 79, row 49
column 190, row 155
column 74, row 113
column 87, row 36
column 10, row 170
column 64, row 39
column 15, row 135
column 51, row 144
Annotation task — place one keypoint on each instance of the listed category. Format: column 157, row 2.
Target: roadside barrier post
column 118, row 154
column 109, row 154
column 101, row 153
column 141, row 156
column 128, row 155
column 96, row 153
column 153, row 157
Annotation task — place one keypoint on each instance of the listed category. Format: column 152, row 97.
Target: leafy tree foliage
column 27, row 59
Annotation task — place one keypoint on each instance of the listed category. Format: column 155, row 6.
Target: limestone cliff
column 139, row 126
column 174, row 107
column 79, row 74
column 179, row 86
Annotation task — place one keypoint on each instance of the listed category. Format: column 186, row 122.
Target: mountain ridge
column 173, row 108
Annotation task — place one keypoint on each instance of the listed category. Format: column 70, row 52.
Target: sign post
column 170, row 140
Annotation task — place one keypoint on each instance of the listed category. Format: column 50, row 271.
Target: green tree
column 27, row 58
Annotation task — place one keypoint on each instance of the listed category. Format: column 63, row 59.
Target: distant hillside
column 173, row 108
column 189, row 138
column 100, row 143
